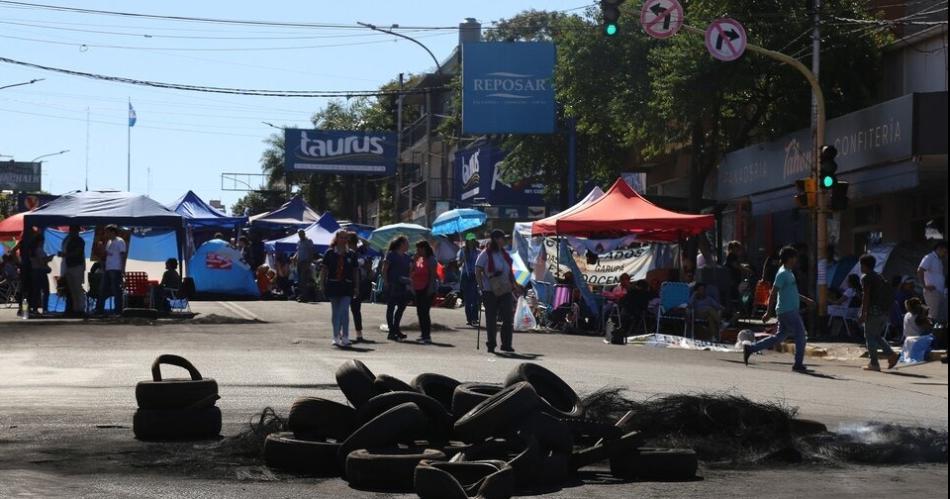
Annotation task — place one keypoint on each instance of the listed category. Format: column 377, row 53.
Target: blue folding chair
column 545, row 293
column 674, row 296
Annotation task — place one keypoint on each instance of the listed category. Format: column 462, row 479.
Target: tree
column 253, row 203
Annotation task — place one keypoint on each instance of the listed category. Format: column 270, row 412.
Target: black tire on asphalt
column 405, row 422
column 560, row 399
column 430, row 482
column 656, row 465
column 436, row 386
column 806, row 427
column 589, row 432
column 309, row 457
column 527, row 464
column 439, row 426
column 468, row 395
column 389, row 469
column 447, row 480
column 176, row 424
column 385, row 383
column 552, row 435
column 194, row 392
column 497, row 413
column 313, row 418
column 356, row 382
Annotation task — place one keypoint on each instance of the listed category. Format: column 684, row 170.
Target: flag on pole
column 132, row 117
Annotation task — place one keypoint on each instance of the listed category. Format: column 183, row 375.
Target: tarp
column 103, row 207
column 294, row 213
column 621, row 210
column 200, row 215
column 217, row 268
column 321, row 233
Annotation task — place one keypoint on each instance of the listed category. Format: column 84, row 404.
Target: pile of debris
column 447, row 439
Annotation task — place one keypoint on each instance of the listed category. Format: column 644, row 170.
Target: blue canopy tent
column 218, row 269
column 200, row 215
column 295, row 213
column 320, row 232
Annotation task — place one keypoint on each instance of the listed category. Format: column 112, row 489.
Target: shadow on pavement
column 520, row 356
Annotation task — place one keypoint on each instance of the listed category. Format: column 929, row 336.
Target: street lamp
column 64, row 151
column 400, row 35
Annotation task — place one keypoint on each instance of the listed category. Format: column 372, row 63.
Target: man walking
column 784, row 303
column 875, row 305
column 304, row 257
column 74, row 256
column 111, row 285
column 930, row 275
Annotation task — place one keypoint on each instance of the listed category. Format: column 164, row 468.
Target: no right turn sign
column 726, row 39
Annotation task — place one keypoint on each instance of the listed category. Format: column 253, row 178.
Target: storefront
column 893, row 155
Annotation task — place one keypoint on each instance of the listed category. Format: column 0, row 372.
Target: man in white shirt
column 931, row 275
column 111, row 284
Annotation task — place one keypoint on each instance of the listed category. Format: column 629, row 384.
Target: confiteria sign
column 871, row 136
column 339, row 151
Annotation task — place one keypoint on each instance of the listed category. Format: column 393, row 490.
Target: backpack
column 883, row 293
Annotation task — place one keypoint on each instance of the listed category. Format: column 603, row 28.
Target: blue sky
column 185, row 140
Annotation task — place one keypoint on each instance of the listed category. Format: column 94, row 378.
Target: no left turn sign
column 726, row 39
column 661, row 18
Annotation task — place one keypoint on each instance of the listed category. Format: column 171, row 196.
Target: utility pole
column 398, row 177
column 820, row 265
column 87, row 148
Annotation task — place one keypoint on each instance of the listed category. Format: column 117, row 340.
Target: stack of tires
column 446, row 439
column 176, row 408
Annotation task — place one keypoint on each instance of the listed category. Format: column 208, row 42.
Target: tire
column 356, row 382
column 283, row 451
column 527, row 464
column 591, row 432
column 468, row 395
column 405, row 422
column 502, row 410
column 389, row 469
column 176, row 424
column 439, row 426
column 436, row 386
column 487, row 479
column 657, row 465
column 385, row 383
column 608, row 449
column 559, row 398
column 313, row 418
column 806, row 427
column 552, row 435
column 176, row 393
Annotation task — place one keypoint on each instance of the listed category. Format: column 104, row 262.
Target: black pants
column 496, row 307
column 395, row 307
column 356, row 306
column 423, row 305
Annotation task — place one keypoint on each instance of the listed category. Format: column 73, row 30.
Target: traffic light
column 805, row 196
column 611, row 13
column 839, row 196
column 827, row 173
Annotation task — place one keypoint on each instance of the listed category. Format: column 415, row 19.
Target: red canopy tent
column 622, row 211
column 11, row 227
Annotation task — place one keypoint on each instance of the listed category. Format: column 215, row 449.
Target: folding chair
column 674, row 296
column 136, row 288
column 847, row 315
column 545, row 293
column 9, row 291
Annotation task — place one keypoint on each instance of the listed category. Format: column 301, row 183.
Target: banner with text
column 635, row 261
column 481, row 176
column 20, row 176
column 340, row 152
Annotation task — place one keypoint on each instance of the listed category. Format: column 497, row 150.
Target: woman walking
column 423, row 277
column 469, row 285
column 493, row 269
column 363, row 285
column 396, row 283
column 340, row 275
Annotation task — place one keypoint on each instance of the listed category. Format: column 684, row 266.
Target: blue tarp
column 147, row 246
column 200, row 215
column 294, row 213
column 53, row 241
column 321, row 233
column 218, row 268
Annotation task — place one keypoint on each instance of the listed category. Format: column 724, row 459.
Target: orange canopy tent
column 621, row 210
column 11, row 227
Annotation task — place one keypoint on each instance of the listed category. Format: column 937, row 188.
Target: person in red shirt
column 423, row 278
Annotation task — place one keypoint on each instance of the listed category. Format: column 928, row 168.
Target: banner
column 481, row 176
column 340, row 152
column 507, row 87
column 635, row 261
column 20, row 176
column 27, row 202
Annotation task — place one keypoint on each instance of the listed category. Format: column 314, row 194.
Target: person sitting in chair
column 170, row 283
column 707, row 308
column 634, row 306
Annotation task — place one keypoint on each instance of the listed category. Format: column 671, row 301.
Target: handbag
column 500, row 284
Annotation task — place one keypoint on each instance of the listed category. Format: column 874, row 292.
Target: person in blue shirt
column 784, row 303
column 468, row 284
column 396, row 265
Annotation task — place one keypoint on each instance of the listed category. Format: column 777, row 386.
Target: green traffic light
column 827, row 181
column 610, row 29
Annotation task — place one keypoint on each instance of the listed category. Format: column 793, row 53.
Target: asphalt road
column 67, row 397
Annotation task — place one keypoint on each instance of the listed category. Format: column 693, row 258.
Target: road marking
column 239, row 310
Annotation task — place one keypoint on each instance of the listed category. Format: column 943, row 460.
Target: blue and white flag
column 132, row 117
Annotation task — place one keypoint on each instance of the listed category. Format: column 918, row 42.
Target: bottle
column 24, row 310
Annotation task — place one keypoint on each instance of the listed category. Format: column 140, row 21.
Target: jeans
column 495, row 305
column 340, row 317
column 39, row 290
column 111, row 285
column 469, row 288
column 395, row 307
column 74, row 278
column 788, row 323
column 356, row 306
column 874, row 336
column 423, row 305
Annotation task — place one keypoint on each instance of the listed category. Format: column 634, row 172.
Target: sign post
column 661, row 18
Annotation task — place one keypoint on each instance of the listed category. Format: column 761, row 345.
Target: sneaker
column 401, row 336
column 345, row 344
column 800, row 369
column 872, row 367
column 424, row 341
column 746, row 353
column 491, row 348
column 892, row 360
column 507, row 349
column 359, row 339
column 393, row 337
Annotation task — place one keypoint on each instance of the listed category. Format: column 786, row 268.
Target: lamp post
column 405, row 37
column 38, row 158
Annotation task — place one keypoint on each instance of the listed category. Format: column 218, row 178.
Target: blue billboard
column 507, row 87
column 481, row 177
column 340, row 152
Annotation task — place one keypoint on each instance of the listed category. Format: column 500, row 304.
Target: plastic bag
column 524, row 319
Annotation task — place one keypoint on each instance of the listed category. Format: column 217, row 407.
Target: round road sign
column 661, row 18
column 726, row 39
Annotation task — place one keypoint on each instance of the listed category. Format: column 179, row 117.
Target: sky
column 185, row 140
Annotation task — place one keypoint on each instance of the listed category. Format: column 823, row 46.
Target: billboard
column 27, row 202
column 20, row 176
column 507, row 87
column 340, row 152
column 482, row 177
